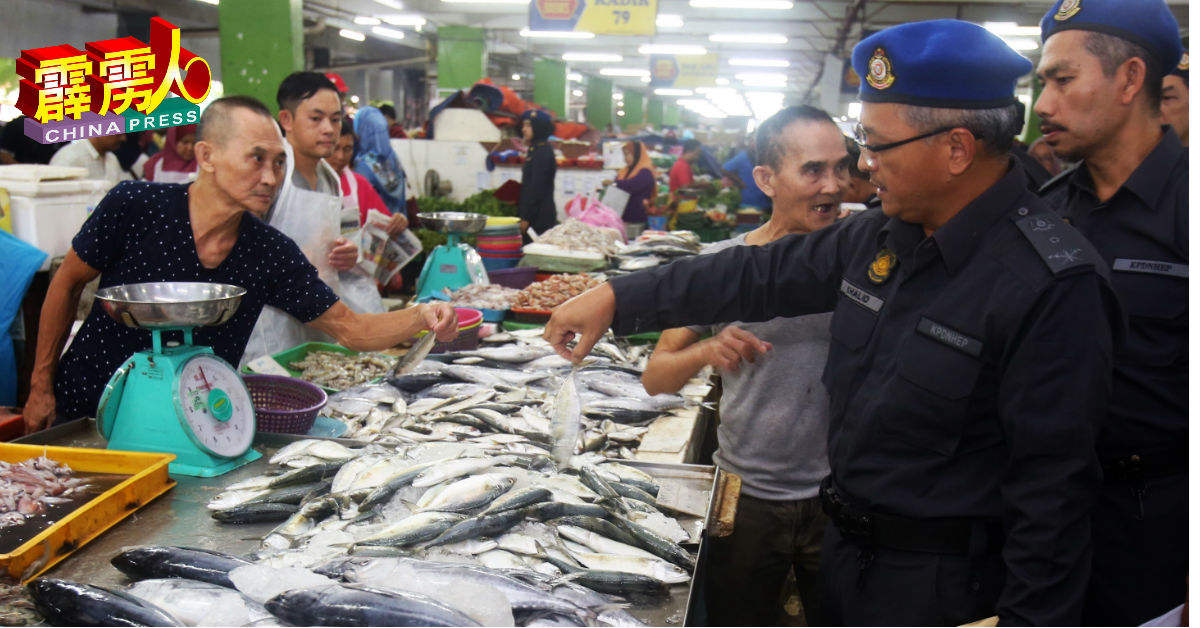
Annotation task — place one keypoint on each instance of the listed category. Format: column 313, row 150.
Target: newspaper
column 384, row 256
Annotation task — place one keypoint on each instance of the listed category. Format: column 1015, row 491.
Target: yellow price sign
column 602, row 17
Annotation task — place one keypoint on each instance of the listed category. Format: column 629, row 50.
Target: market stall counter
column 183, row 518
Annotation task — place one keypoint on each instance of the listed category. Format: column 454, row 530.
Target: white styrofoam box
column 50, row 223
column 464, row 125
column 457, row 162
column 63, row 187
column 40, row 172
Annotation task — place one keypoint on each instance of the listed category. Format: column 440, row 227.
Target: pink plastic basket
column 284, row 404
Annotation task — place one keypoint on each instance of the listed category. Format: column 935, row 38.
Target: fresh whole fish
column 480, row 525
column 454, row 469
column 466, row 494
column 314, row 448
column 66, row 603
column 160, row 561
column 416, row 528
column 340, row 605
column 198, row 603
column 519, row 499
column 255, row 513
column 600, row 543
column 653, row 567
column 414, row 357
column 565, row 418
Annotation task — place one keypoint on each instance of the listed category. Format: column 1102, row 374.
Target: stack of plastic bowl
column 499, row 244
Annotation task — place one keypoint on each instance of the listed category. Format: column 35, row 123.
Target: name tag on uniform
column 861, row 297
column 1151, row 267
column 950, row 337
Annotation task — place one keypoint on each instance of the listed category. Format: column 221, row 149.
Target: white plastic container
column 50, row 204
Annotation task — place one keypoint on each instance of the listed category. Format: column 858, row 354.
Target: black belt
column 967, row 537
column 1145, row 465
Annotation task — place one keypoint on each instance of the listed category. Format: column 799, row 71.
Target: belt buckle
column 857, row 527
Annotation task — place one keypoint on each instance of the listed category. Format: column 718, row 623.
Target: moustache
column 1047, row 127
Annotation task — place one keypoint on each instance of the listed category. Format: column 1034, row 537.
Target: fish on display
column 66, row 603
column 156, row 561
column 342, row 605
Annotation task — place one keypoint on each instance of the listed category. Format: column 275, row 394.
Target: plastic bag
column 18, row 262
column 593, row 212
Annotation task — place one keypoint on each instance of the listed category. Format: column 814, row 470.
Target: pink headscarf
column 169, row 155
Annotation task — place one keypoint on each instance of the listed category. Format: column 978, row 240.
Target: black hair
column 768, row 138
column 300, row 86
column 388, row 111
column 1112, row 51
column 214, row 123
column 347, row 126
column 690, row 145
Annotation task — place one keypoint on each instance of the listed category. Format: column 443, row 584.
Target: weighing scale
column 177, row 398
column 455, row 264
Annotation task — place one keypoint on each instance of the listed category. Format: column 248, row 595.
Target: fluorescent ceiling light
column 525, row 32
column 352, row 34
column 575, row 76
column 389, row 33
column 577, row 92
column 761, row 77
column 1010, row 29
column 748, row 38
column 710, row 91
column 631, row 72
column 620, row 112
column 216, row 2
column 672, row 49
column 393, row 4
column 772, row 5
column 516, row 77
column 668, row 20
column 484, row 1
column 366, row 21
column 598, row 57
column 1021, row 43
column 759, row 63
column 645, row 79
column 664, row 91
column 618, row 96
column 722, row 80
column 397, row 19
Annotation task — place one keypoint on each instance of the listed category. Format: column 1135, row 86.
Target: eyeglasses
column 869, row 152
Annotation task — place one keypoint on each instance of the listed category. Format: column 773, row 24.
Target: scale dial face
column 214, row 406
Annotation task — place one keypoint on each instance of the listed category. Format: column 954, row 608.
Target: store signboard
column 117, row 86
column 683, row 71
column 602, row 17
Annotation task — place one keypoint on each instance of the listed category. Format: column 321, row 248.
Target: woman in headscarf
column 176, row 162
column 536, row 208
column 377, row 161
column 638, row 178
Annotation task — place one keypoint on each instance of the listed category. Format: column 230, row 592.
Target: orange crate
column 147, row 480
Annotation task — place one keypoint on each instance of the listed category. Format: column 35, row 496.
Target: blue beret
column 536, row 115
column 1181, row 69
column 939, row 63
column 1147, row 23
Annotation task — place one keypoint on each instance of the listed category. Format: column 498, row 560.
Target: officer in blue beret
column 1175, row 99
column 1103, row 65
column 536, row 207
column 971, row 353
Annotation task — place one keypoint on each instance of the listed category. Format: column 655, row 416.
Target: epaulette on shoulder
column 1059, row 245
column 1057, row 180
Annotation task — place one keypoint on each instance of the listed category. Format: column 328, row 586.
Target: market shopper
column 97, row 154
column 638, row 179
column 1175, row 99
column 377, row 161
column 740, row 170
column 206, row 231
column 775, row 442
column 536, row 207
column 1102, row 65
column 309, row 211
column 358, row 195
column 176, row 162
column 680, row 175
column 972, row 344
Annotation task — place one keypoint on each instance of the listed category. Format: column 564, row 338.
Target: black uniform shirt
column 969, row 383
column 1142, row 233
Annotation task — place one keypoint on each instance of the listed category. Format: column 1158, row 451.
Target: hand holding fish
column 441, row 320
column 585, row 317
column 728, row 349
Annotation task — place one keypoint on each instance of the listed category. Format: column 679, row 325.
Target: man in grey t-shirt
column 774, row 409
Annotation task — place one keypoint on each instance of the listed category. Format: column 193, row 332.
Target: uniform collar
column 960, row 236
column 1150, row 179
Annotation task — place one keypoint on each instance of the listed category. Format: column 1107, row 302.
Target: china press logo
column 115, row 86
